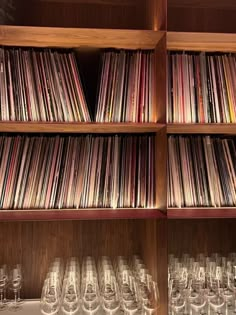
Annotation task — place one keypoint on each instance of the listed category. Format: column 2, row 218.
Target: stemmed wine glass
column 90, row 294
column 70, row 300
column 110, row 297
column 232, row 283
column 218, row 302
column 151, row 302
column 51, row 292
column 15, row 285
column 70, row 295
column 109, row 289
column 3, row 287
column 129, row 292
column 50, row 298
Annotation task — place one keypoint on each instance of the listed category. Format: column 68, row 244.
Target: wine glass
column 70, row 295
column 150, row 297
column 129, row 292
column 198, row 304
column 50, row 298
column 90, row 294
column 217, row 303
column 15, row 285
column 110, row 297
column 3, row 287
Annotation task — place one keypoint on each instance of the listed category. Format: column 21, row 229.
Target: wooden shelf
column 28, row 307
column 201, row 128
column 201, row 213
column 78, row 37
column 33, row 127
column 80, row 214
column 201, row 41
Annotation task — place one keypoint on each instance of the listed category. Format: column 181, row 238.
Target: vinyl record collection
column 202, row 171
column 45, row 85
column 77, row 172
column 126, row 87
column 201, row 88
column 41, row 85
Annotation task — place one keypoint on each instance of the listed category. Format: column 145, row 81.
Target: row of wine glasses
column 11, row 280
column 202, row 284
column 123, row 285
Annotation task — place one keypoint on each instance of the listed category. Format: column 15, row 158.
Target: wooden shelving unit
column 35, row 237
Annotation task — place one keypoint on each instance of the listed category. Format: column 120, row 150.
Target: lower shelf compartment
column 201, row 213
column 80, row 214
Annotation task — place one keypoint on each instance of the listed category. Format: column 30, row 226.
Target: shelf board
column 201, row 128
column 78, row 37
column 201, row 213
column 80, row 214
column 201, row 41
column 29, row 307
column 46, row 127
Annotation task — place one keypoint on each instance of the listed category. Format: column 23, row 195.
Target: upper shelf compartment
column 201, row 16
column 114, row 14
column 73, row 38
column 201, row 41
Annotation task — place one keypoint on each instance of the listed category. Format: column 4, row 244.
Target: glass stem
column 186, row 307
column 15, row 296
column 5, row 296
column 1, row 297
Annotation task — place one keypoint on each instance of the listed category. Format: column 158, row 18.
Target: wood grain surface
column 213, row 4
column 72, row 37
column 201, row 236
column 80, row 214
column 33, row 127
column 201, row 213
column 201, row 128
column 201, row 41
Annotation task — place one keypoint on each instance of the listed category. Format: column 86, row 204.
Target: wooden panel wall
column 156, row 14
column 133, row 14
column 201, row 236
column 201, row 19
column 226, row 4
column 36, row 244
